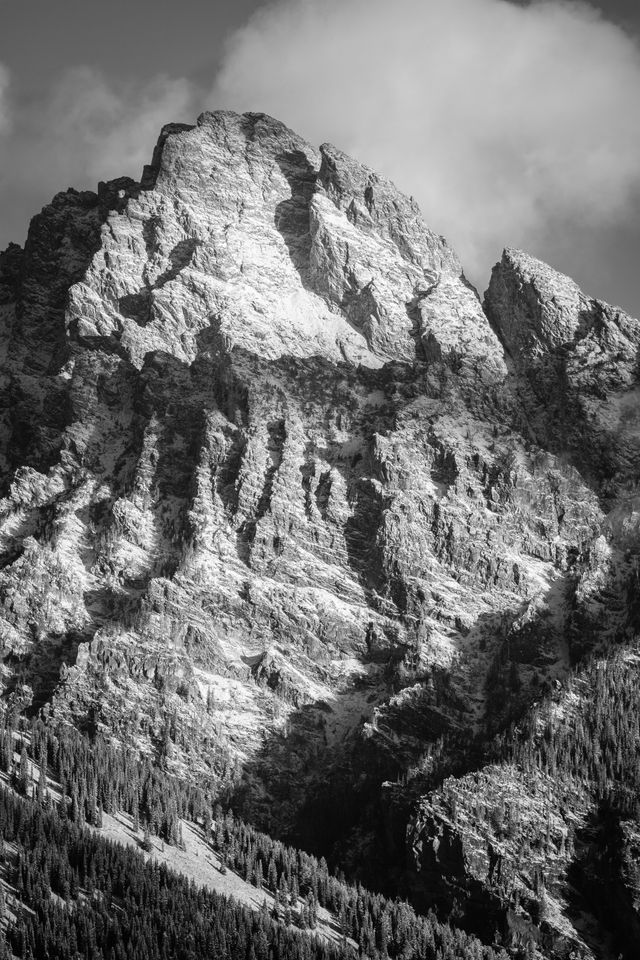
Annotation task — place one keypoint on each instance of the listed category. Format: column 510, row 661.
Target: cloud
column 97, row 129
column 5, row 114
column 84, row 129
column 511, row 124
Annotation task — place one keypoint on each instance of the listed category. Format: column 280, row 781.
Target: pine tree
column 75, row 807
column 207, row 821
column 42, row 778
column 272, row 875
column 23, row 773
column 146, row 840
column 6, row 750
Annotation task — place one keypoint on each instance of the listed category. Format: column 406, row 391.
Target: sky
column 513, row 123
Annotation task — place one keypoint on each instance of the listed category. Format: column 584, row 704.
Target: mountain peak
column 246, row 230
column 279, row 516
column 554, row 302
column 575, row 362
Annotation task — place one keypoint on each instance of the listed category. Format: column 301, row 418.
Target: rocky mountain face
column 286, row 506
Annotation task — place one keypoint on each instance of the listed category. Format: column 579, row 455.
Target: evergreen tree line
column 79, row 895
column 95, row 777
column 591, row 734
column 93, row 875
column 300, row 882
column 587, row 740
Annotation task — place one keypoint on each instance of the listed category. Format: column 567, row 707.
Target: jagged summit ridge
column 251, row 233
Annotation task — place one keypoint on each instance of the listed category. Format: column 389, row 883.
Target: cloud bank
column 510, row 124
column 84, row 129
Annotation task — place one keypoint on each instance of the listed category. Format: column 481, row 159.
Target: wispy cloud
column 510, row 124
column 95, row 128
column 84, row 129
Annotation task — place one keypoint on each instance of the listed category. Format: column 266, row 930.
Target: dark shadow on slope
column 316, row 782
column 597, row 888
column 334, row 795
column 41, row 668
column 361, row 534
column 139, row 306
column 572, row 401
column 60, row 246
column 179, row 259
column 166, row 433
column 292, row 218
column 275, row 444
column 228, row 471
column 151, row 395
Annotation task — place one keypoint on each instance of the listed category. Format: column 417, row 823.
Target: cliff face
column 575, row 361
column 282, row 504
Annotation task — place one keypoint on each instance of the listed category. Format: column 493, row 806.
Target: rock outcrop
column 271, row 471
column 575, row 361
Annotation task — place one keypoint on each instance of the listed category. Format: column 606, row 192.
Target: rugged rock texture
column 576, row 365
column 282, row 505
